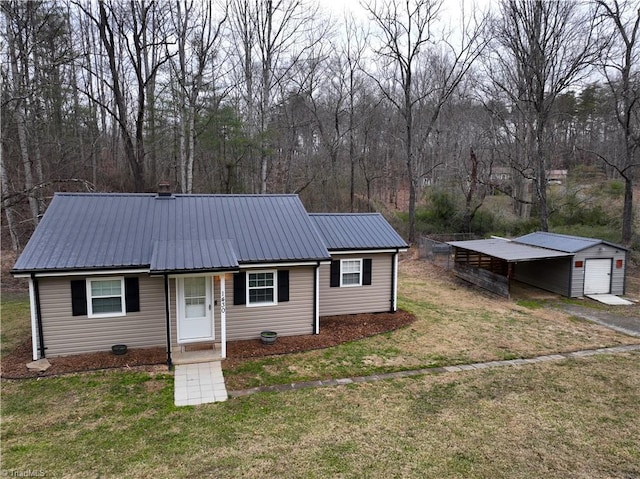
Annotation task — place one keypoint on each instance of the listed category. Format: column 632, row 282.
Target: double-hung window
column 351, row 272
column 261, row 288
column 106, row 297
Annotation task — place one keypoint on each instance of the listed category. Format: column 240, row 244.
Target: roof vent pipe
column 164, row 189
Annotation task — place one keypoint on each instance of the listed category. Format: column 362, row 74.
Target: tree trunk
column 21, row 123
column 132, row 153
column 8, row 209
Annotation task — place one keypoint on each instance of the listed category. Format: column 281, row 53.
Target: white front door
column 597, row 276
column 195, row 314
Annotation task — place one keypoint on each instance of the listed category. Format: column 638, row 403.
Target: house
column 195, row 271
column 572, row 266
column 557, row 177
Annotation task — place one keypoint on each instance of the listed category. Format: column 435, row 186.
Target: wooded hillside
column 285, row 96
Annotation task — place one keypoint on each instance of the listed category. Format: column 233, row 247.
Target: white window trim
column 248, row 302
column 342, row 273
column 90, row 313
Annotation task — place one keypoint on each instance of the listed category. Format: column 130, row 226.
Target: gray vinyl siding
column 602, row 251
column 551, row 274
column 65, row 334
column 373, row 298
column 290, row 318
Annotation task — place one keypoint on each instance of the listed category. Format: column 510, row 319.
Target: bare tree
column 21, row 26
column 621, row 69
column 426, row 71
column 198, row 36
column 542, row 47
column 352, row 50
column 124, row 30
column 272, row 36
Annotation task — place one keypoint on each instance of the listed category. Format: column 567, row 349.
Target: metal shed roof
column 357, row 231
column 560, row 242
column 95, row 231
column 508, row 250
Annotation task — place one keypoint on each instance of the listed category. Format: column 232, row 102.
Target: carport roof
column 508, row 250
column 560, row 242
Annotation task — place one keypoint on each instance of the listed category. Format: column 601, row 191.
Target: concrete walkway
column 446, row 369
column 199, row 384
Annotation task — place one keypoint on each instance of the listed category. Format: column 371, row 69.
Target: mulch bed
column 334, row 330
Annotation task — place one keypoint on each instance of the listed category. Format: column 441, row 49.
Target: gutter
column 316, row 280
column 394, row 281
column 168, row 318
column 38, row 311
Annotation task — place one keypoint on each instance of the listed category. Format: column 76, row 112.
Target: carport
column 492, row 263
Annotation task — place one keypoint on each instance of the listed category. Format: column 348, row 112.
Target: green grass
column 454, row 326
column 15, row 323
column 530, row 303
column 562, row 420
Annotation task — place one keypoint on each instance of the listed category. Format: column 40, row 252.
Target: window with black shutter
column 366, row 271
column 335, row 274
column 239, row 288
column 132, row 294
column 283, row 285
column 79, row 297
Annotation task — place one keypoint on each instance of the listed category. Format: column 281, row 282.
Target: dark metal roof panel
column 190, row 255
column 88, row 231
column 343, row 231
column 560, row 242
column 508, row 250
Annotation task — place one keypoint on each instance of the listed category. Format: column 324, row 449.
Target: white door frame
column 206, row 321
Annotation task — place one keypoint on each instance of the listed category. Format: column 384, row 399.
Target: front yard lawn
column 568, row 419
column 456, row 325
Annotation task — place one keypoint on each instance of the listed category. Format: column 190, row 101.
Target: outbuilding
column 597, row 266
column 572, row 266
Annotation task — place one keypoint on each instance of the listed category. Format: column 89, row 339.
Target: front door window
column 195, row 297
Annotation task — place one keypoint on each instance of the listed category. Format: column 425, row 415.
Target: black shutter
column 79, row 297
column 335, row 274
column 132, row 294
column 283, row 285
column 366, row 271
column 239, row 288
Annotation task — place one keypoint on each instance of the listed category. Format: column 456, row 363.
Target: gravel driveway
column 624, row 324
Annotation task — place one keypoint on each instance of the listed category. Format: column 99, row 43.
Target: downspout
column 168, row 318
column 316, row 318
column 394, row 280
column 38, row 311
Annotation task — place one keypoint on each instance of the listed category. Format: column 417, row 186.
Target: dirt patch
column 334, row 330
column 14, row 365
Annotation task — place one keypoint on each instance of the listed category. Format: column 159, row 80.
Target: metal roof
column 508, row 250
column 357, row 231
column 96, row 231
column 560, row 242
column 192, row 255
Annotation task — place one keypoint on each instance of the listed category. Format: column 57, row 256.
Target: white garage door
column 597, row 276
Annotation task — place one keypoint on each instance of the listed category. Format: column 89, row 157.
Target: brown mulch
column 334, row 330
